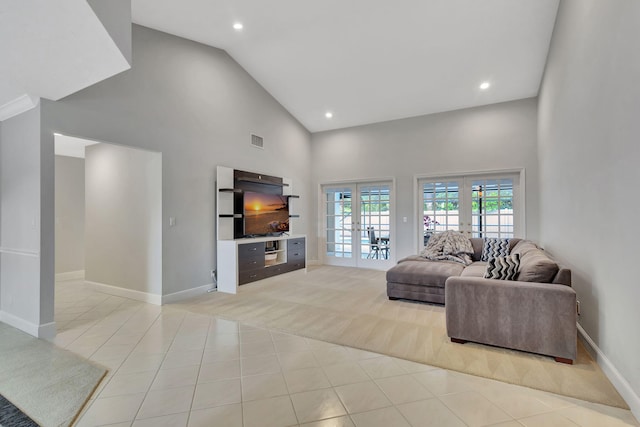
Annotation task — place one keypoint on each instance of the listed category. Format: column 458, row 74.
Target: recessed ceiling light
column 328, row 114
column 238, row 26
column 485, row 85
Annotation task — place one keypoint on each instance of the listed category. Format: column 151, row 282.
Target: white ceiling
column 51, row 49
column 372, row 60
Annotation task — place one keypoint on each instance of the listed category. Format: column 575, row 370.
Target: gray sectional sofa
column 534, row 313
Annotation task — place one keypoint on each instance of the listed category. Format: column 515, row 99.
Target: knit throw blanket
column 449, row 246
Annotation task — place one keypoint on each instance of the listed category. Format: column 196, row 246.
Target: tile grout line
column 138, row 309
column 193, row 396
column 275, row 348
column 158, row 369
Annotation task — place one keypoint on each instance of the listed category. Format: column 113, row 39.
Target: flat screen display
column 265, row 214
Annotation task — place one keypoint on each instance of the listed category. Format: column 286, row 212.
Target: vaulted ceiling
column 362, row 60
column 51, row 49
column 371, row 60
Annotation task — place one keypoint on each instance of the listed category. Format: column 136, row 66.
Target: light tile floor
column 174, row 368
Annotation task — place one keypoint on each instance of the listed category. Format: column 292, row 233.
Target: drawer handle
column 254, row 249
column 296, row 254
column 253, row 276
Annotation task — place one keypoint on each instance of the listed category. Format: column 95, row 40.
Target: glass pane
column 338, row 222
column 492, row 207
column 440, row 207
column 374, row 221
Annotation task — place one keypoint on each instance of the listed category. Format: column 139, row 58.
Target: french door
column 357, row 225
column 476, row 205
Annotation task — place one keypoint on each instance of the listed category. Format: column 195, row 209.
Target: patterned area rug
column 349, row 306
column 10, row 416
column 49, row 384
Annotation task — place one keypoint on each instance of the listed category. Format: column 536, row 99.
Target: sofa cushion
column 493, row 247
column 477, row 243
column 522, row 247
column 503, row 267
column 536, row 266
column 476, row 269
column 423, row 272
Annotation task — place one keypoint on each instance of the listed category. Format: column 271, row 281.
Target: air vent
column 257, row 141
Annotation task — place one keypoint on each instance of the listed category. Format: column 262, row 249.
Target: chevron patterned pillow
column 494, row 247
column 503, row 267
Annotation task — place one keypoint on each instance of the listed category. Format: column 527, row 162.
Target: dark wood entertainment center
column 243, row 260
column 252, row 264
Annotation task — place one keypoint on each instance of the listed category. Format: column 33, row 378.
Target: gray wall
column 123, row 235
column 499, row 136
column 589, row 151
column 115, row 16
column 198, row 107
column 69, row 220
column 1, row 199
column 26, row 276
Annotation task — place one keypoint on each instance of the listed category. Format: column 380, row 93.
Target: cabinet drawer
column 295, row 244
column 275, row 270
column 296, row 252
column 251, row 276
column 295, row 255
column 250, row 250
column 253, row 263
column 295, row 265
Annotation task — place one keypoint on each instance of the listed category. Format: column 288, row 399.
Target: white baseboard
column 616, row 378
column 126, row 293
column 186, row 294
column 70, row 275
column 45, row 331
column 147, row 297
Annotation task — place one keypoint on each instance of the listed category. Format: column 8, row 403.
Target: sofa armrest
column 535, row 317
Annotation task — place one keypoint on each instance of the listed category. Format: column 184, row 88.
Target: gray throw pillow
column 503, row 267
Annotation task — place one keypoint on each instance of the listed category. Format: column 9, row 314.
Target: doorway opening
column 108, row 218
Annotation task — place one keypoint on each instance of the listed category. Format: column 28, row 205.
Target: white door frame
column 377, row 264
column 519, row 197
